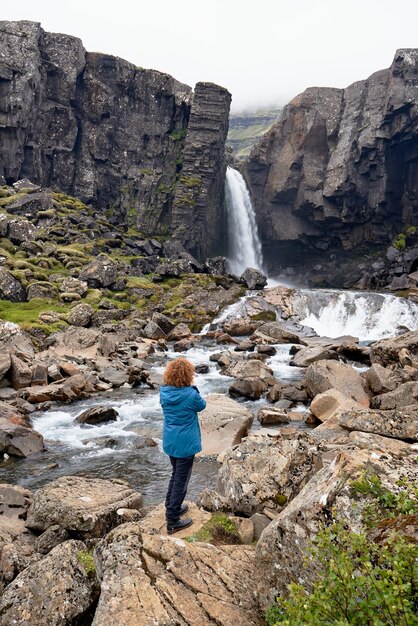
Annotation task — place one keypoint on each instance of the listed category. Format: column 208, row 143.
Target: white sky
column 264, row 51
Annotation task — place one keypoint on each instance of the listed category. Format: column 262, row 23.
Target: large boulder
column 21, row 373
column 89, row 506
column 66, row 391
column 403, row 395
column 387, row 351
column 11, row 288
column 253, row 279
column 250, row 388
column 275, row 332
column 102, row 272
column 328, row 496
column 148, row 579
column 331, row 403
column 55, row 591
column 13, row 338
column 261, row 472
column 14, row 504
column 250, row 369
column 223, row 424
column 97, row 415
column 81, row 314
column 381, row 380
column 21, row 230
column 324, row 375
column 73, row 285
column 400, row 424
column 17, row 440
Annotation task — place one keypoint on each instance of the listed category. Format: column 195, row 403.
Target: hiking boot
column 184, row 509
column 179, row 525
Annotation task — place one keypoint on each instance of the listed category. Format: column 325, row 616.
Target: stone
column 68, row 390
column 266, row 349
column 17, row 440
column 14, row 504
column 262, row 471
column 13, row 338
column 155, row 521
column 268, row 416
column 144, row 442
column 84, row 505
column 7, row 394
column 403, row 395
column 69, row 594
column 21, row 230
column 245, row 530
column 21, row 373
column 97, row 415
column 260, row 522
column 102, row 272
column 41, row 290
column 180, row 583
column 39, row 374
column 80, row 315
column 305, row 356
column 249, row 369
column 114, row 376
column 10, row 288
column 68, row 368
column 164, row 322
column 181, row 331
column 153, row 331
column 400, row 424
column 73, row 285
column 251, row 388
column 223, row 424
column 386, row 351
column 51, row 538
column 331, row 403
column 5, row 364
column 324, row 375
column 275, row 332
column 253, row 279
column 245, row 346
column 380, row 380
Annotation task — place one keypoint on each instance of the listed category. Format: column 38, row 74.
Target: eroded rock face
column 103, row 130
column 56, row 590
column 263, row 471
column 179, row 583
column 337, row 170
column 87, row 505
column 400, row 424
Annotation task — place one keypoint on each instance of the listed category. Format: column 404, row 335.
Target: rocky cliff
column 337, row 174
column 135, row 142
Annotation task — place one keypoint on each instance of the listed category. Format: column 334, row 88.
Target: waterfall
column 369, row 316
column 244, row 243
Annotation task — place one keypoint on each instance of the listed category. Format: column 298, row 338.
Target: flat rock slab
column 155, row 521
column 91, row 506
column 400, row 424
column 223, row 424
column 150, row 579
column 18, row 440
column 54, row 591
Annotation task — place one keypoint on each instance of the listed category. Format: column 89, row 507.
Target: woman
column 181, row 436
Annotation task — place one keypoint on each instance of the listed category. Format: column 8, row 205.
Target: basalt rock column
column 198, row 213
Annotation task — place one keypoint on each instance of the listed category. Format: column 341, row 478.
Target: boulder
column 181, row 331
column 269, row 416
column 115, row 377
column 275, row 332
column 13, row 338
column 80, row 315
column 21, row 230
column 324, row 375
column 403, row 395
column 84, row 505
column 331, row 403
column 21, row 373
column 328, row 496
column 102, row 272
column 387, row 351
column 249, row 369
column 39, row 374
column 153, row 331
column 253, row 279
column 155, row 522
column 380, row 380
column 251, row 388
column 41, row 289
column 17, row 440
column 223, row 424
column 51, row 538
column 66, row 391
column 14, row 504
column 10, row 288
column 180, row 583
column 163, row 322
column 5, row 364
column 240, row 326
column 73, row 285
column 55, row 591
column 400, row 424
column 144, row 442
column 97, row 415
column 305, row 356
column 263, row 471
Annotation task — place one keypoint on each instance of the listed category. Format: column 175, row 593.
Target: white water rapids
column 244, row 243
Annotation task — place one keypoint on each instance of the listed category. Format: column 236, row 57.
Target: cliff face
column 117, row 136
column 338, row 171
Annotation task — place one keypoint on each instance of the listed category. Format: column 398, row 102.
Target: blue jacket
column 181, row 431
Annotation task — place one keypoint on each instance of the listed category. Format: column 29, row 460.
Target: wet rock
column 403, row 395
column 223, row 424
column 263, row 471
column 251, row 388
column 305, row 356
column 224, row 338
column 400, row 424
column 293, row 393
column 29, row 600
column 266, row 349
column 80, row 315
column 17, row 440
column 245, row 346
column 97, row 415
column 240, row 327
column 102, row 272
column 180, row 583
column 324, row 375
column 268, row 416
column 183, row 345
column 253, row 279
column 113, row 376
column 144, row 442
column 202, row 369
column 10, row 288
column 85, row 505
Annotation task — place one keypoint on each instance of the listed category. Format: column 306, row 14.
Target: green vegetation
column 191, row 182
column 220, row 529
column 26, row 314
column 400, row 241
column 246, row 128
column 264, row 316
column 85, row 558
column 178, row 134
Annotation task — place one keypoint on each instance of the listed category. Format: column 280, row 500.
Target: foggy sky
column 265, row 52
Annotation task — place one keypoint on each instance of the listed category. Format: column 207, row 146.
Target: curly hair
column 179, row 373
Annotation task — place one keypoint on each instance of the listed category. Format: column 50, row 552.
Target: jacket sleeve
column 197, row 403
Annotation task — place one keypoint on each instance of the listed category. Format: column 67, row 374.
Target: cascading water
column 244, row 243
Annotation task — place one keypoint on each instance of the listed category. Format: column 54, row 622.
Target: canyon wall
column 135, row 142
column 337, row 175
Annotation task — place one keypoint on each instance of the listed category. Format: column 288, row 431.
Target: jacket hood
column 174, row 395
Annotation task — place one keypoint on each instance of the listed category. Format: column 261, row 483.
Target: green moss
column 280, row 499
column 11, row 199
column 220, row 529
column 7, row 245
column 264, row 316
column 85, row 558
column 178, row 134
column 27, row 313
column 46, row 213
column 191, row 182
column 147, row 171
column 399, row 242
column 69, row 202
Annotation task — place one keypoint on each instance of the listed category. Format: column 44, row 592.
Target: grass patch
column 85, row 558
column 26, row 314
column 220, row 529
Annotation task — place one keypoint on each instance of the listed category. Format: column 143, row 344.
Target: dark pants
column 177, row 487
